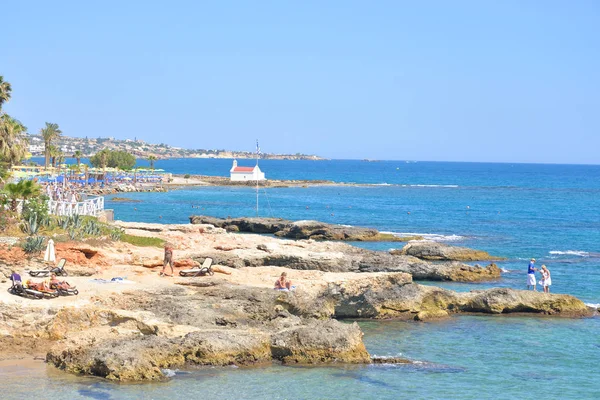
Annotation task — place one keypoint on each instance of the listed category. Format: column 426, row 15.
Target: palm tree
column 50, row 133
column 60, row 158
column 22, row 190
column 5, row 90
column 54, row 154
column 103, row 158
column 78, row 155
column 152, row 159
column 13, row 143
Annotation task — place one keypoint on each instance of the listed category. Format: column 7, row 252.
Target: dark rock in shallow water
column 125, row 200
column 391, row 360
column 297, row 229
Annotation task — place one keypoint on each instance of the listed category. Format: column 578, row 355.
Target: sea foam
column 436, row 237
column 169, row 373
column 430, row 186
column 579, row 253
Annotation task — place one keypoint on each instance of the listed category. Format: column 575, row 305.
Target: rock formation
column 297, row 229
column 222, row 322
column 434, row 251
column 132, row 332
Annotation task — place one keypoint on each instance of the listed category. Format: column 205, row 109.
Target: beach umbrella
column 50, row 255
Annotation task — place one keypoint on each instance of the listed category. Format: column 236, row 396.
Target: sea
column 518, row 211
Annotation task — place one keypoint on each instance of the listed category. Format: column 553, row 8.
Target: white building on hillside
column 246, row 173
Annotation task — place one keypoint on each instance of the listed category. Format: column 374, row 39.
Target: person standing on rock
column 168, row 259
column 531, row 274
column 546, row 281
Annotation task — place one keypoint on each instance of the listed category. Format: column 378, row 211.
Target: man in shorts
column 168, row 260
column 531, row 274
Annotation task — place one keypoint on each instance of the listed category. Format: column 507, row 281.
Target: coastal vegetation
column 143, row 241
column 50, row 133
column 113, row 159
column 13, row 142
column 31, row 223
column 5, row 91
column 151, row 160
column 78, row 155
column 21, row 190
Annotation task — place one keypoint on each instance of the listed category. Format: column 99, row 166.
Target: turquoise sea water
column 550, row 212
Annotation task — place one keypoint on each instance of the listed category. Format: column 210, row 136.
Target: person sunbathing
column 283, row 282
column 39, row 286
column 56, row 284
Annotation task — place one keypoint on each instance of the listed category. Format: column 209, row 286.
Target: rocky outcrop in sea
column 132, row 331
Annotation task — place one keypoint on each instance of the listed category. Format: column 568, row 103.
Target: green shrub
column 142, row 240
column 75, row 221
column 113, row 158
column 187, row 176
column 33, row 244
column 116, row 234
column 37, row 206
column 91, row 228
column 31, row 226
column 63, row 222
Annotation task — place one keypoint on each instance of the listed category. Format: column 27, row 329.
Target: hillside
column 141, row 149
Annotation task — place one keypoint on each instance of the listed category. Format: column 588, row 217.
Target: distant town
column 142, row 149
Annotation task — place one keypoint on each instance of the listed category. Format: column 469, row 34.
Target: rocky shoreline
column 131, row 332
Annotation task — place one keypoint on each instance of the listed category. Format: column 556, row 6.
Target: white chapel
column 245, row 173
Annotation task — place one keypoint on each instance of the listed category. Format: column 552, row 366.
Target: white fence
column 92, row 206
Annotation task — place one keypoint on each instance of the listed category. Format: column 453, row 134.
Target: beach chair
column 19, row 289
column 63, row 291
column 204, row 269
column 59, row 270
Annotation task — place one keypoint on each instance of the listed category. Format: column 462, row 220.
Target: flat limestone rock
column 240, row 323
column 434, row 251
column 320, row 342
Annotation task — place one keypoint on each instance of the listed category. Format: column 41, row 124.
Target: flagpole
column 257, row 151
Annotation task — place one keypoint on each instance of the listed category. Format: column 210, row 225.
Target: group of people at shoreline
column 546, row 281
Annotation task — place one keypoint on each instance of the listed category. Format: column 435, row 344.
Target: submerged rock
column 125, row 200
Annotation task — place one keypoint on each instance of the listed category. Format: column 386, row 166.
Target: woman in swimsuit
column 283, row 282
column 546, row 279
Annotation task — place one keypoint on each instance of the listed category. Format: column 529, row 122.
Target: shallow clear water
column 466, row 357
column 550, row 212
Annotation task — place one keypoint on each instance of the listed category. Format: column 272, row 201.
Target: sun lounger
column 63, row 290
column 19, row 289
column 205, row 269
column 59, row 270
column 40, row 288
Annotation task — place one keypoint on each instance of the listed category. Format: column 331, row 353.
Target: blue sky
column 510, row 81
